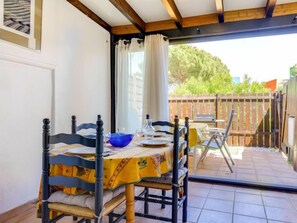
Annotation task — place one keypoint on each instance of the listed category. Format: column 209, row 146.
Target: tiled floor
column 211, row 204
column 225, row 204
column 251, row 164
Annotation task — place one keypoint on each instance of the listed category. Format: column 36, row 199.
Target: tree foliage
column 195, row 71
column 188, row 61
column 294, row 70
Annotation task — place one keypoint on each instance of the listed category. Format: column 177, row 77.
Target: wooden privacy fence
column 255, row 122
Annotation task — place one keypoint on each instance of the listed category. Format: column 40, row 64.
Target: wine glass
column 138, row 135
column 106, row 138
column 121, row 130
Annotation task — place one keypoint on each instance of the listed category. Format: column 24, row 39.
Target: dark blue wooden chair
column 176, row 180
column 96, row 202
column 84, row 126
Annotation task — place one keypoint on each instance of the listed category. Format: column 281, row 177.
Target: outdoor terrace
column 252, row 164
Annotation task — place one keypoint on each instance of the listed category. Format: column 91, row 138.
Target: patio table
column 196, row 136
column 125, row 166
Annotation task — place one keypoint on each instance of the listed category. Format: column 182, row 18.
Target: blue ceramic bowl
column 120, row 139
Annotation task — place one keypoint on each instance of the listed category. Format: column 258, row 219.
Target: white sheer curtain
column 142, row 82
column 155, row 100
column 129, row 76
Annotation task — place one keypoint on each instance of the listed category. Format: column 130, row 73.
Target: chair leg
column 195, row 157
column 228, row 152
column 110, row 217
column 45, row 213
column 174, row 213
column 227, row 162
column 206, row 150
column 146, row 205
column 88, row 220
column 185, row 204
column 203, row 155
column 163, row 194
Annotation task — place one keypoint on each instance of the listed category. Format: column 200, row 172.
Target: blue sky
column 262, row 58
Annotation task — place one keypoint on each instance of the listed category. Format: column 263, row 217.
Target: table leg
column 130, row 213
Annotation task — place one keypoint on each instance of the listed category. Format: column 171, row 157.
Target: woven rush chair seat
column 167, row 177
column 110, row 202
column 165, row 181
column 85, row 200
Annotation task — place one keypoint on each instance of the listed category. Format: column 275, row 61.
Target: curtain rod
column 139, row 40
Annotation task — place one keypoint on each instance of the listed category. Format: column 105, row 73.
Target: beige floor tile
column 248, row 198
column 268, row 179
column 248, row 191
column 201, row 192
column 200, row 185
column 218, row 205
column 247, row 177
column 223, row 187
column 271, row 221
column 268, row 193
column 281, row 214
column 287, row 180
column 251, row 210
column 193, row 214
column 223, row 195
column 208, row 216
column 278, row 202
column 206, row 172
column 226, row 174
column 247, row 219
column 244, row 170
column 197, row 202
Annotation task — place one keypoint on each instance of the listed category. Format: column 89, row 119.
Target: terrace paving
column 252, row 164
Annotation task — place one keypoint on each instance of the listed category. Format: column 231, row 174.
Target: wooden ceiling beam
column 220, row 10
column 167, row 24
column 129, row 13
column 88, row 12
column 172, row 10
column 270, row 8
column 229, row 16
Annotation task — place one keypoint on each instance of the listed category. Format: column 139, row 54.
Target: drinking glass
column 138, row 135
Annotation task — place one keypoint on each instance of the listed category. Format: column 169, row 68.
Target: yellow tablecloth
column 125, row 166
column 195, row 133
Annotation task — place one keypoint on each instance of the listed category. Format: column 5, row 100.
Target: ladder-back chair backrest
column 75, row 128
column 232, row 113
column 168, row 126
column 178, row 145
column 97, row 164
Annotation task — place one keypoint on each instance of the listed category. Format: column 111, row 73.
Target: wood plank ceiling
column 219, row 15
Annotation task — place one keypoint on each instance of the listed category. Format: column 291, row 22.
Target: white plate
column 154, row 142
column 81, row 150
column 84, row 150
column 159, row 134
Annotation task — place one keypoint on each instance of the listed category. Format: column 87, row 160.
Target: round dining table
column 122, row 166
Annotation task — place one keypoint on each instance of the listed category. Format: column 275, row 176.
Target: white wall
column 75, row 52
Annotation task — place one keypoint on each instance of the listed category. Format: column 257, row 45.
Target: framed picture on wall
column 20, row 22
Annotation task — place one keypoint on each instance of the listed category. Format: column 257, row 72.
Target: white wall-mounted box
column 291, row 130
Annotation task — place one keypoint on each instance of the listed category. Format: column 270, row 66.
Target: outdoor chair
column 175, row 180
column 95, row 202
column 218, row 140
